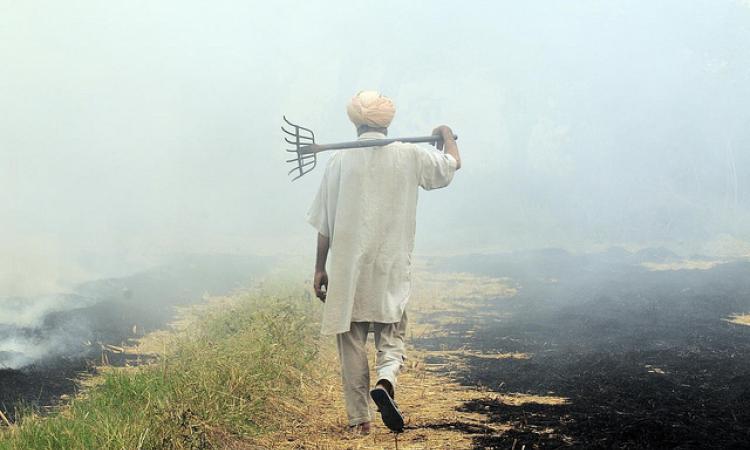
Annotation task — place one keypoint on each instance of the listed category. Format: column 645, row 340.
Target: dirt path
column 429, row 395
column 429, row 401
column 588, row 351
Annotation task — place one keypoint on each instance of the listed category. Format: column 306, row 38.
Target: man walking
column 365, row 214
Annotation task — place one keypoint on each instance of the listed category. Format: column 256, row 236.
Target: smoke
column 22, row 347
column 141, row 130
column 35, row 265
column 137, row 132
column 80, row 323
column 31, row 331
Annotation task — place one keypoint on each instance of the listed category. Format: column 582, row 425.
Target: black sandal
column 388, row 409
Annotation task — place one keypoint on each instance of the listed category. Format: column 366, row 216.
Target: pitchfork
column 303, row 140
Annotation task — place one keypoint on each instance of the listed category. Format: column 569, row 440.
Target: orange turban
column 371, row 109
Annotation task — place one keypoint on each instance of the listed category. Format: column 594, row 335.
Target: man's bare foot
column 362, row 428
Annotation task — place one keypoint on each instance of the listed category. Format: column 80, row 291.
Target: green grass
column 223, row 378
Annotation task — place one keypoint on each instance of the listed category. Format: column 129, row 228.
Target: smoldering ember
column 539, row 211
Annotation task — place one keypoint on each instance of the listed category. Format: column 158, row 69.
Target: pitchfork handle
column 314, row 148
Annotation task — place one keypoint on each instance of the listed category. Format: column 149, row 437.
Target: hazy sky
column 132, row 130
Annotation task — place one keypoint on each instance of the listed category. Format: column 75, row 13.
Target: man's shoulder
column 403, row 145
column 404, row 148
column 334, row 159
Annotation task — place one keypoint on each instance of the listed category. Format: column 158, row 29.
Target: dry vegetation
column 739, row 319
column 230, row 371
column 427, row 394
column 686, row 264
column 429, row 399
column 249, row 372
column 442, row 299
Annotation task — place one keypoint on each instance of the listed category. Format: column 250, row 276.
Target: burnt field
column 88, row 327
column 645, row 357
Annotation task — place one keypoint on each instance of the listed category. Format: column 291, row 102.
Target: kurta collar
column 371, row 135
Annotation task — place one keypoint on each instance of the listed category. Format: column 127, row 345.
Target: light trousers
column 355, row 371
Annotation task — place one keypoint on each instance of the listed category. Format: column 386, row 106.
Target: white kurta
column 367, row 206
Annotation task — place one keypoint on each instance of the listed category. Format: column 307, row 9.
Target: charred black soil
column 113, row 313
column 644, row 357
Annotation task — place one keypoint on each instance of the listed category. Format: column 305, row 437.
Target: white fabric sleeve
column 317, row 215
column 435, row 168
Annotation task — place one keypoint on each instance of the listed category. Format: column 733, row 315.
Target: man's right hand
column 320, row 281
column 451, row 148
column 445, row 132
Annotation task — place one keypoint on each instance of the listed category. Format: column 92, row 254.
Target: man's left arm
column 321, row 277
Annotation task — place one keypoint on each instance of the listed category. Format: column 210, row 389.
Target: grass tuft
column 227, row 375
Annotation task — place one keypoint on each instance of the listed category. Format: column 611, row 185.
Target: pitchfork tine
column 302, row 166
column 307, row 129
column 303, row 172
column 300, row 127
column 301, row 138
column 306, row 163
column 300, row 175
column 300, row 159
